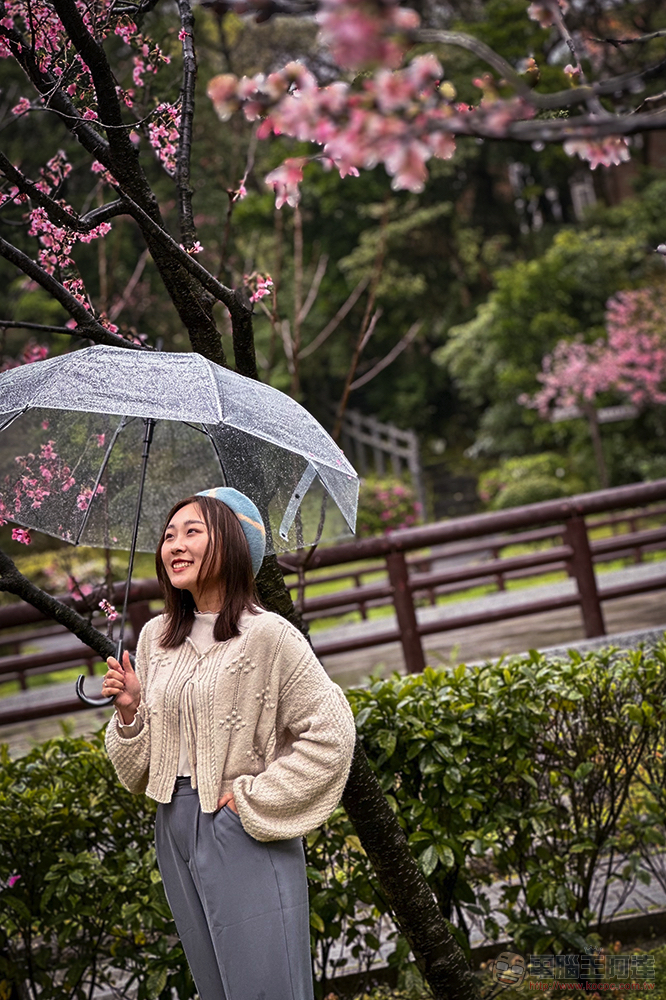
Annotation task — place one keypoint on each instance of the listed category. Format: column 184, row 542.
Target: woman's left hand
column 227, row 800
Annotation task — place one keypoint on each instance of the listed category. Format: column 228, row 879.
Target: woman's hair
column 226, row 563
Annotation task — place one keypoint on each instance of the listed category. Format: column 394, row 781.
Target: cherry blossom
column 631, row 360
column 607, row 152
column 21, row 535
column 259, row 284
column 108, row 609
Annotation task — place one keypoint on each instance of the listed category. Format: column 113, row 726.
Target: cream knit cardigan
column 270, row 726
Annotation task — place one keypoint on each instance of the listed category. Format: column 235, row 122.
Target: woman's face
column 183, row 550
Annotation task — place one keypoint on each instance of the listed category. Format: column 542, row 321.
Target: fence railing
column 562, row 521
column 414, row 564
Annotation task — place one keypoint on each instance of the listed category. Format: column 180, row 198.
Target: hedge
column 539, row 780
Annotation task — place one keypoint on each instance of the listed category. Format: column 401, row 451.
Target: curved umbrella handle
column 91, row 702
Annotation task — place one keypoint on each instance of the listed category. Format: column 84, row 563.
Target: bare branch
column 320, row 271
column 390, row 357
column 332, row 326
column 632, row 41
column 187, row 227
column 625, row 83
column 118, row 306
column 88, row 326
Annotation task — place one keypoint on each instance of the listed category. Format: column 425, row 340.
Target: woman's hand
column 122, row 683
column 227, row 800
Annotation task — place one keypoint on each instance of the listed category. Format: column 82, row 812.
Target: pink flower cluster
column 607, row 152
column 631, row 360
column 259, row 284
column 22, row 536
column 545, row 11
column 361, row 33
column 163, row 134
column 400, row 119
column 108, row 609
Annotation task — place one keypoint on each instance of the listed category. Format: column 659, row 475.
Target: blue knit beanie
column 249, row 517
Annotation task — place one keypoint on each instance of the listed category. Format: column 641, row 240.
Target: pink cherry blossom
column 607, row 152
column 21, row 535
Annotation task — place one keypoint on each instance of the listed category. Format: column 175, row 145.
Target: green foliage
column 543, row 778
column 530, row 479
column 495, row 356
column 520, row 771
column 384, row 505
column 88, row 904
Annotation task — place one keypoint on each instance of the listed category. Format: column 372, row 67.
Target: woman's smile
column 184, row 549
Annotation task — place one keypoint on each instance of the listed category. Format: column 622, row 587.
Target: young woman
column 232, row 725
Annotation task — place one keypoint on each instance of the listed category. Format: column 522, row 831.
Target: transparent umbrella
column 98, row 444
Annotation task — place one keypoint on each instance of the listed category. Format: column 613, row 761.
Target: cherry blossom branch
column 223, row 294
column 49, row 89
column 94, row 56
column 390, row 357
column 79, row 224
column 88, row 326
column 624, row 83
column 12, row 581
column 186, row 35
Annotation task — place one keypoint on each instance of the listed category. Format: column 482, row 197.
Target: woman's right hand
column 122, row 683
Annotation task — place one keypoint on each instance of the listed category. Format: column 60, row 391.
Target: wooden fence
column 410, row 566
column 369, row 443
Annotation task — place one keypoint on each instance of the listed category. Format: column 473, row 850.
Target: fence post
column 582, row 568
column 404, row 608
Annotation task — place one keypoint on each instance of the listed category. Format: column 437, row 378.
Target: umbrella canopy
column 72, row 433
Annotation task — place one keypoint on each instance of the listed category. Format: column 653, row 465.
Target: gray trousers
column 240, row 906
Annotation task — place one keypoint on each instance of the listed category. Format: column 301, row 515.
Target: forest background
column 468, row 283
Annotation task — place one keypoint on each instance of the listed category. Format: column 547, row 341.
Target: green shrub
column 528, row 479
column 81, row 900
column 522, row 771
column 385, row 505
column 542, row 776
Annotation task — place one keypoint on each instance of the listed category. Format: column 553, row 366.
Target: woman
column 233, row 726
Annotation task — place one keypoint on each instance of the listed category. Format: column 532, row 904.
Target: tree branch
column 625, row 83
column 12, row 581
column 390, row 357
column 88, row 326
column 93, row 55
column 334, row 323
column 632, row 41
column 206, row 279
column 59, row 214
column 187, row 227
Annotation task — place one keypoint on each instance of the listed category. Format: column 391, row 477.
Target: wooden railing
column 412, row 565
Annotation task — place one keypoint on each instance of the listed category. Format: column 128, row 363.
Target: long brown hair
column 226, row 563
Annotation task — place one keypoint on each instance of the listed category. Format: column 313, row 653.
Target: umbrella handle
column 91, row 702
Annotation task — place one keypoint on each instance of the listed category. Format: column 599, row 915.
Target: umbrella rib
column 11, row 419
column 123, row 423
column 217, row 452
column 296, row 500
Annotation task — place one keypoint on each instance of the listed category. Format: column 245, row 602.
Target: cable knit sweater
column 266, row 723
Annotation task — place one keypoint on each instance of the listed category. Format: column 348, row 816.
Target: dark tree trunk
column 414, row 906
